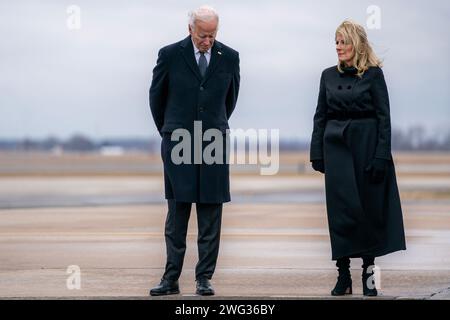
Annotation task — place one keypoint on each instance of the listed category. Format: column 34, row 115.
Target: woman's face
column 344, row 51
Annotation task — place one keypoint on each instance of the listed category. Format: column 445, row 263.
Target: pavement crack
column 442, row 291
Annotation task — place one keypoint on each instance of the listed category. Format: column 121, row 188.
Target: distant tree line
column 411, row 139
column 78, row 143
column 417, row 138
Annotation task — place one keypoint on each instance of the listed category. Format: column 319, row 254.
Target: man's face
column 204, row 34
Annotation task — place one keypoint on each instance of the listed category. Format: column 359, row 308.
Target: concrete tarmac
column 278, row 251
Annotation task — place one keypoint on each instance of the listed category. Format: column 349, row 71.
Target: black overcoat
column 179, row 95
column 364, row 218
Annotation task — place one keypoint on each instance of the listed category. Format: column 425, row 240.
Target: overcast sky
column 95, row 80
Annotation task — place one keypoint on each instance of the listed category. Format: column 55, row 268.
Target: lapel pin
column 219, row 52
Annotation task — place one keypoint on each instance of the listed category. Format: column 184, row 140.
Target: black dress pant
column 209, row 218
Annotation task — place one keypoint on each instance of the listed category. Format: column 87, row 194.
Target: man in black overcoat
column 194, row 89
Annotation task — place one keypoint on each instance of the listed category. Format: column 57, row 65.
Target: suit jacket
column 179, row 95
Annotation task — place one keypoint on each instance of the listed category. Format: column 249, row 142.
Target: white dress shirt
column 197, row 54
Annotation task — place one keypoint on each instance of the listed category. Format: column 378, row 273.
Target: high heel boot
column 344, row 281
column 368, row 277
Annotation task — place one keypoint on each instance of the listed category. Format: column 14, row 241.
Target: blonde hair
column 354, row 34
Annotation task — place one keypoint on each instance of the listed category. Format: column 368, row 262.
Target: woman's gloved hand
column 318, row 165
column 377, row 170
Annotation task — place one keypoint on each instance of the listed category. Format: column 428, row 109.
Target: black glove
column 377, row 170
column 318, row 165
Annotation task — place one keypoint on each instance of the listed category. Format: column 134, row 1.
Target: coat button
column 349, row 87
column 339, row 87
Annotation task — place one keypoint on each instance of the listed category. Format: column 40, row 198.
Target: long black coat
column 364, row 218
column 179, row 95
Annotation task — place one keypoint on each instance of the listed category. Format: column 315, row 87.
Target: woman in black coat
column 351, row 145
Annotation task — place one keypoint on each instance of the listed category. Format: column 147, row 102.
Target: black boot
column 368, row 277
column 344, row 280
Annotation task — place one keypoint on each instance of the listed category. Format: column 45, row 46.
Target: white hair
column 203, row 13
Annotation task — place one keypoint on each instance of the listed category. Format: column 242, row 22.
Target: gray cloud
column 95, row 80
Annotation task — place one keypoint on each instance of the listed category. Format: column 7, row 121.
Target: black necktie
column 202, row 64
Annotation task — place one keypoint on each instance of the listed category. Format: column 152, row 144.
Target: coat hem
column 360, row 254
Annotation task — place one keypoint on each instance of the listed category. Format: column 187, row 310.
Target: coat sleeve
column 380, row 99
column 320, row 120
column 158, row 90
column 233, row 91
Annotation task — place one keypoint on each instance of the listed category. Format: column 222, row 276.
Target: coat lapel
column 187, row 50
column 216, row 55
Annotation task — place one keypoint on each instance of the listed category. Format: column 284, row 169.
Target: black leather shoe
column 204, row 287
column 166, row 287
